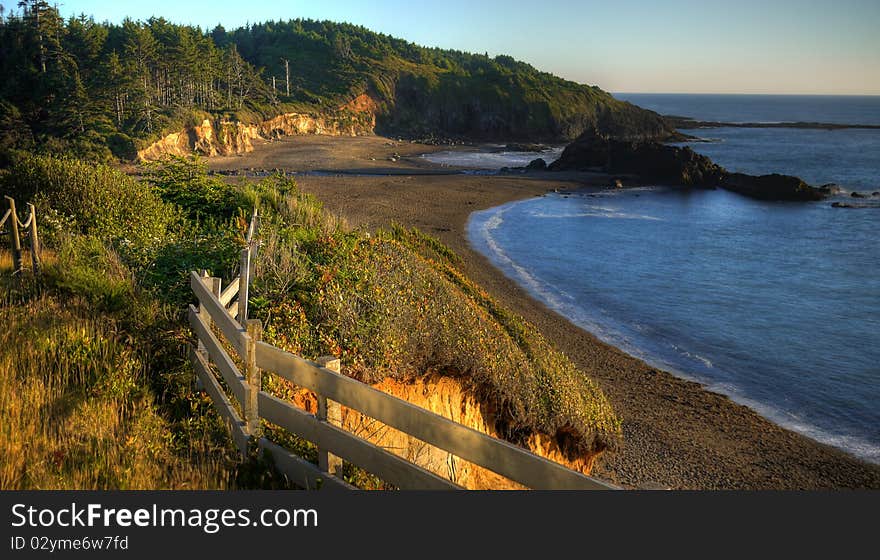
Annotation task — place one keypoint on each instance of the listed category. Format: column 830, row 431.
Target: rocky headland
column 689, row 123
column 654, row 162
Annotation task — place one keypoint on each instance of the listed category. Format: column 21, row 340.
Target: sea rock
column 537, row 164
column 651, row 161
column 773, row 187
column 854, row 205
column 857, row 195
column 654, row 162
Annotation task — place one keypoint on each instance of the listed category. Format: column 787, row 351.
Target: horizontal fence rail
column 231, row 329
column 387, row 466
column 494, row 454
column 217, row 312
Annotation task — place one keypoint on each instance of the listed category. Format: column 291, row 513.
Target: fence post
column 35, row 242
column 252, row 226
column 216, row 285
column 206, row 317
column 244, row 284
column 330, row 412
column 203, row 313
column 254, row 381
column 14, row 239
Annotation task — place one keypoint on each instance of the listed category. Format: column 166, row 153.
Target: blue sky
column 735, row 46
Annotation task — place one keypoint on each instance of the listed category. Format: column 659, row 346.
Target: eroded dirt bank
column 213, row 137
column 446, row 397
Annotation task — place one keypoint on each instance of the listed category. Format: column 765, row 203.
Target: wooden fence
column 17, row 231
column 219, row 317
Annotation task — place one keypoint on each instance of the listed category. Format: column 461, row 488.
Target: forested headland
column 102, row 90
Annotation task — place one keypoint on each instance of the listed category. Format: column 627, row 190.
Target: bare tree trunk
column 147, row 113
column 40, row 39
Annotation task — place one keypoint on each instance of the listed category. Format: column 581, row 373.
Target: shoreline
column 612, row 332
column 677, row 433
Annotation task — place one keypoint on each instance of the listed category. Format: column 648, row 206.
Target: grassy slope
column 389, row 304
column 98, row 399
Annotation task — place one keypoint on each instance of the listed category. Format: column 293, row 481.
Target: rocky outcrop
column 298, row 123
column 538, row 164
column 447, row 397
column 774, row 187
column 855, row 205
column 221, row 137
column 653, row 162
column 210, row 138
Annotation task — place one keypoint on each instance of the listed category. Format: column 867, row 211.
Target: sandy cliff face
column 446, row 397
column 219, row 137
column 210, row 138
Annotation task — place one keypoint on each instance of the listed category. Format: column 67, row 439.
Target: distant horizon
column 744, row 93
column 633, row 46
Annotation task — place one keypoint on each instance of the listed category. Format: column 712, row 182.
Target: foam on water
column 490, row 160
column 595, row 212
column 533, row 284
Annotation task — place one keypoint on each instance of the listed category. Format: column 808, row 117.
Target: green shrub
column 79, row 197
column 88, row 268
column 217, row 251
column 185, row 183
column 122, row 146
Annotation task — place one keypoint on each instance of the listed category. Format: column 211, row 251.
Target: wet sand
column 676, row 433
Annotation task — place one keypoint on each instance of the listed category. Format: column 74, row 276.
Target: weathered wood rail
column 217, row 313
column 18, row 230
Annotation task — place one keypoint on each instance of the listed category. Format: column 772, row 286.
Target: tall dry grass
column 76, row 411
column 77, row 407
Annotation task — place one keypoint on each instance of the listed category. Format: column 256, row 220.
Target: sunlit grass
column 78, row 401
column 76, row 411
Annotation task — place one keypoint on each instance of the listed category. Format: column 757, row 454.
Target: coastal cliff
column 223, row 137
column 434, row 93
column 346, row 80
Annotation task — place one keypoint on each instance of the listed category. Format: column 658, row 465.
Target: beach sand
column 676, row 433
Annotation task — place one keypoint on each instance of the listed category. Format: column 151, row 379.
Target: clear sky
column 733, row 46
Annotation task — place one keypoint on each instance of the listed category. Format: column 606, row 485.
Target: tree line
column 99, row 90
column 83, row 86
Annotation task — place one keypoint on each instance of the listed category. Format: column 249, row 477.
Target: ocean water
column 838, row 109
column 483, row 159
column 776, row 305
